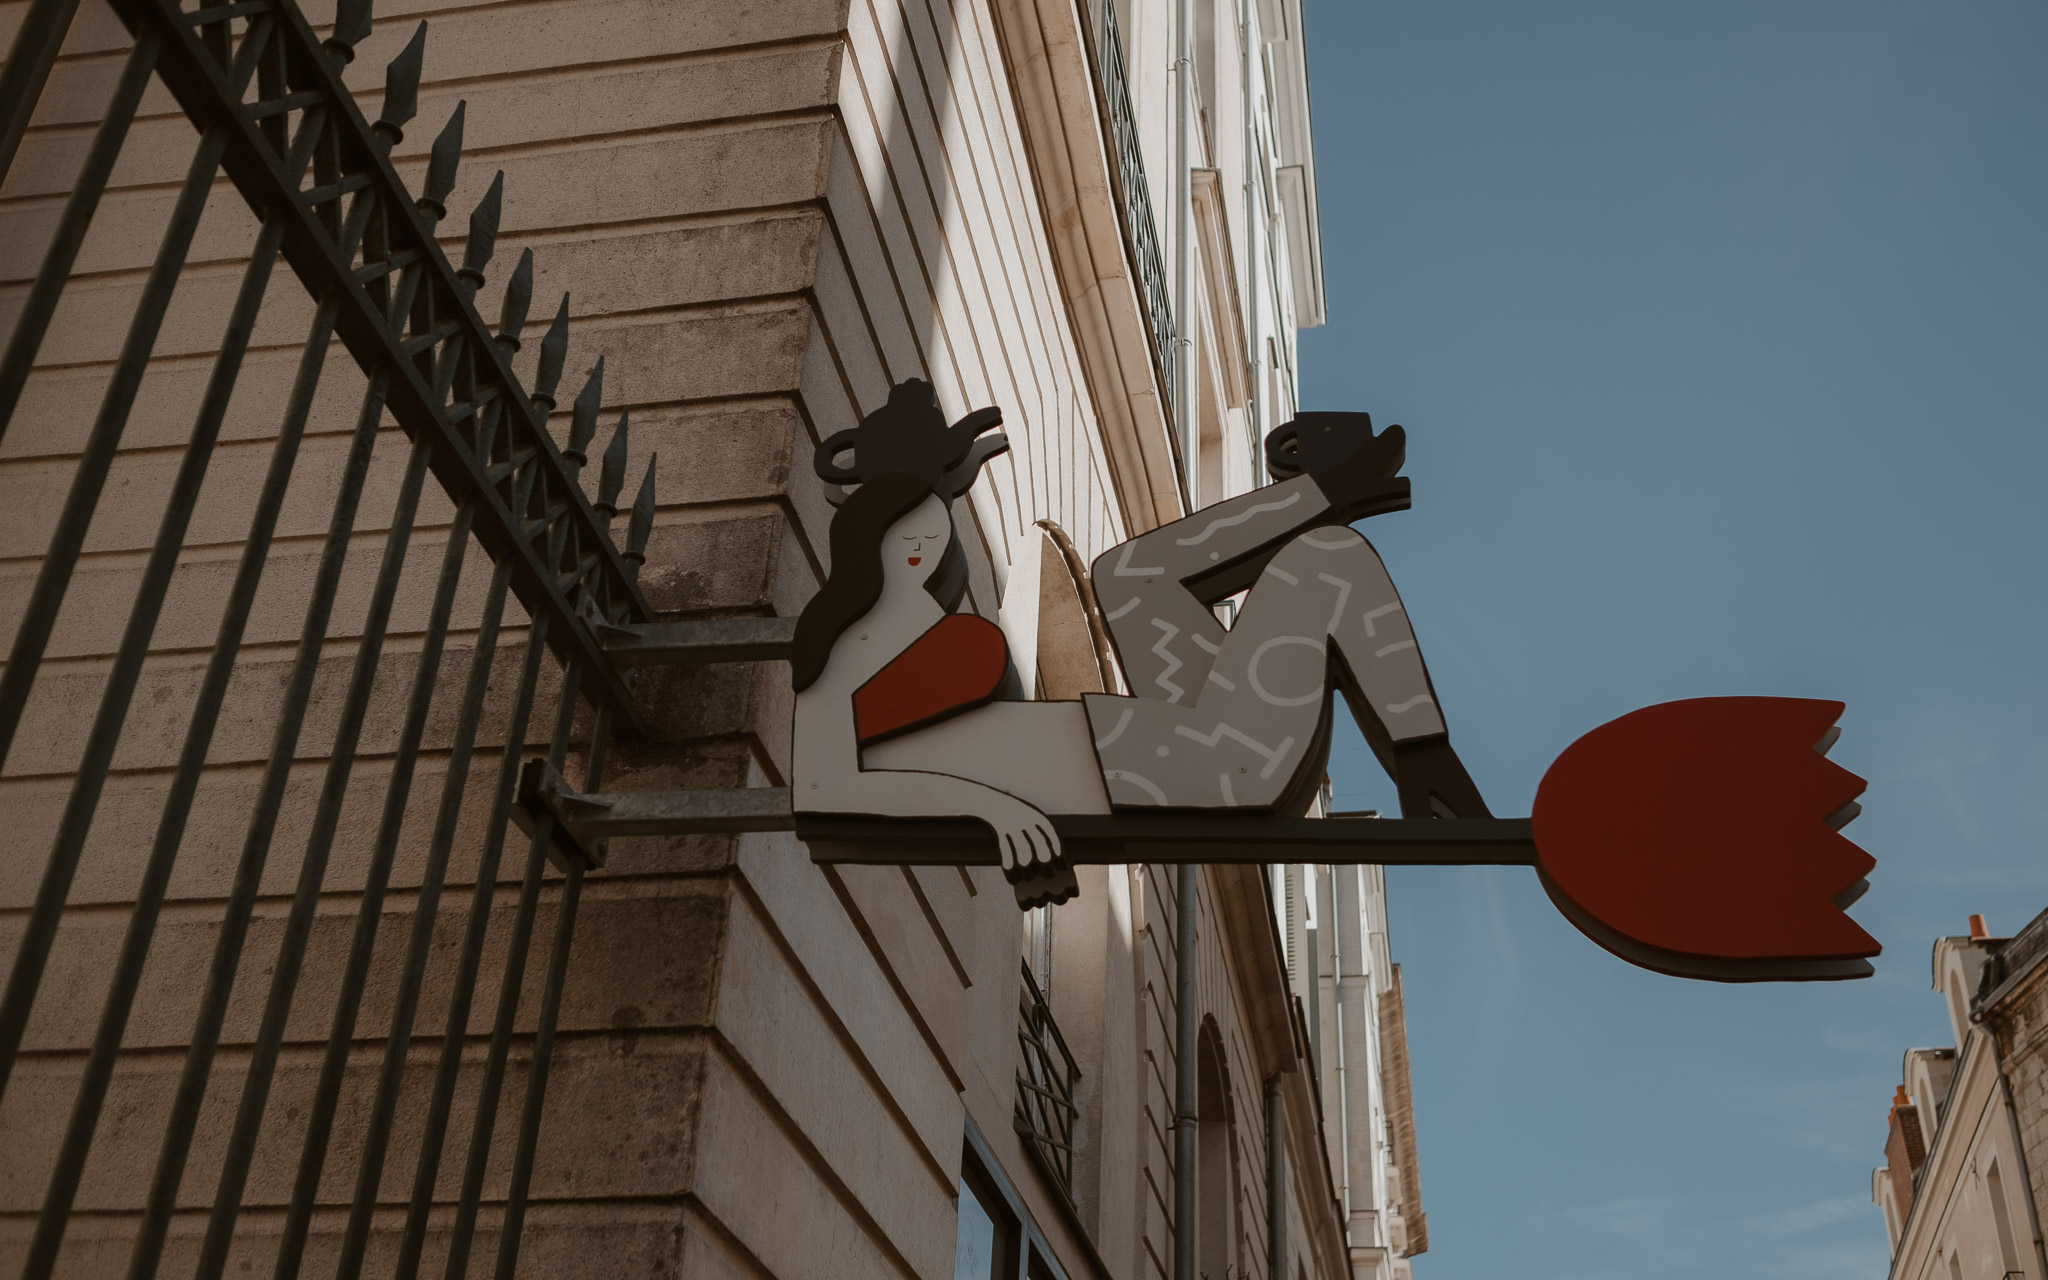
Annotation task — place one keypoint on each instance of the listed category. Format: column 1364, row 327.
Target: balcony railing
column 1140, row 227
column 1046, row 1076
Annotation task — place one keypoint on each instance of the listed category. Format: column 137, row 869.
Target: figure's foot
column 1045, row 886
column 1433, row 783
column 1357, row 470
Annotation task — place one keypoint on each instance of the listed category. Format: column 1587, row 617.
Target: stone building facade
column 1967, row 1139
column 764, row 215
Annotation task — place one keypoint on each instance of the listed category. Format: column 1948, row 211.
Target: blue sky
column 1720, row 331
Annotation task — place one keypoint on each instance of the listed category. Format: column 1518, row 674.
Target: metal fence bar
column 369, row 1171
column 177, row 810
column 511, row 1230
column 134, row 647
column 34, row 52
column 377, row 1133
column 544, row 1033
column 312, row 871
column 72, row 224
column 255, row 848
column 521, row 942
column 305, row 900
column 370, row 908
column 400, row 93
column 54, row 577
column 127, row 670
column 456, row 1029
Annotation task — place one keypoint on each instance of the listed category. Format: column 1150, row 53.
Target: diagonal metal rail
column 589, row 568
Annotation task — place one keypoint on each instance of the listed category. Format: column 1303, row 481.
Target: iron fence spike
column 402, row 87
column 583, row 421
column 554, row 349
column 351, row 25
column 642, row 523
column 612, row 480
column 518, row 297
column 483, row 233
column 441, row 164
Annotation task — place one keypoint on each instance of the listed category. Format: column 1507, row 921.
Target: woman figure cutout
column 905, row 709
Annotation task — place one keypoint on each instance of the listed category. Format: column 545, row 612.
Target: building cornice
column 1049, row 57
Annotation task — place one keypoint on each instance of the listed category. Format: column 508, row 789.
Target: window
column 985, row 1247
column 2001, row 1220
column 1216, row 1175
column 995, row 1239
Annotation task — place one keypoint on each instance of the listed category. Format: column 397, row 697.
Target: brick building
column 763, row 215
column 1967, row 1139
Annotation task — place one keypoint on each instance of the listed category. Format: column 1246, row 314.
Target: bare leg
column 1256, row 734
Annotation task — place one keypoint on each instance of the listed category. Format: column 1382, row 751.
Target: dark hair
column 855, row 582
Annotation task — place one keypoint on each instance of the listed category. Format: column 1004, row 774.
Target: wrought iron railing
column 1046, row 1076
column 1140, row 227
column 265, row 93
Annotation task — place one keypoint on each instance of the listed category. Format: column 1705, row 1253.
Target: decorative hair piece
column 910, row 436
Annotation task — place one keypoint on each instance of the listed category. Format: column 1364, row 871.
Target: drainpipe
column 1337, row 1013
column 1183, row 234
column 1276, row 1180
column 1184, row 1102
column 1250, row 142
column 1183, row 417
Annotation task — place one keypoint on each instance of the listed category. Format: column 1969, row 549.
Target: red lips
column 1699, row 838
column 914, row 560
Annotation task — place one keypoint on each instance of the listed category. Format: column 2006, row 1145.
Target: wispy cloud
column 1809, row 1217
column 1660, row 1232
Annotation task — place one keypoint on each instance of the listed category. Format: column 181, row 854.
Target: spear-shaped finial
column 583, row 419
column 613, row 478
column 483, row 235
column 554, row 349
column 518, row 297
column 441, row 162
column 642, row 522
column 351, row 24
column 402, row 89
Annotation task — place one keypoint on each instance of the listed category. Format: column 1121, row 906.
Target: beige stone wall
column 2020, row 1020
column 766, row 214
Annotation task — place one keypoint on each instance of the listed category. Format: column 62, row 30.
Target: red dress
column 955, row 666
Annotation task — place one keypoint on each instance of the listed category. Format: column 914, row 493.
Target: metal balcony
column 1046, row 1076
column 1141, row 229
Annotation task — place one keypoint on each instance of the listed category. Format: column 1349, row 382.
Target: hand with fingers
column 1033, row 861
column 1025, row 838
